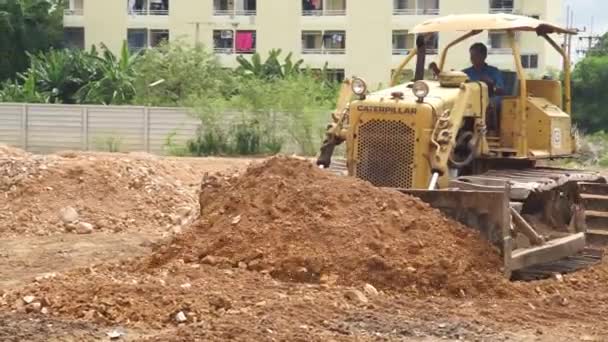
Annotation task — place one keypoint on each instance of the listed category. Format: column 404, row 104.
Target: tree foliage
column 271, row 68
column 589, row 89
column 175, row 74
column 27, row 26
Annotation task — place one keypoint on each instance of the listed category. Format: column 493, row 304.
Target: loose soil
column 298, row 223
column 283, row 252
column 113, row 193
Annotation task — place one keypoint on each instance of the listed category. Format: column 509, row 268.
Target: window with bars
column 529, row 61
column 403, row 41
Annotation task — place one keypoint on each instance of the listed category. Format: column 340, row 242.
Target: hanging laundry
column 244, row 41
column 316, row 4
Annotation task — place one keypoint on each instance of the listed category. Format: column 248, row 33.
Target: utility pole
column 590, row 39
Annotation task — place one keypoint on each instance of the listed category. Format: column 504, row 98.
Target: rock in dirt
column 68, row 215
column 370, row 290
column 28, row 299
column 180, row 317
column 114, row 334
column 84, row 228
column 356, row 295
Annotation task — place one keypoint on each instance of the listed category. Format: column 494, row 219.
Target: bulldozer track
column 584, row 259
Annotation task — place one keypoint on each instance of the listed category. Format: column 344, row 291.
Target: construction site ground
column 134, row 247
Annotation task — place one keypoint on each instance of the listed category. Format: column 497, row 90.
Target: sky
column 586, row 13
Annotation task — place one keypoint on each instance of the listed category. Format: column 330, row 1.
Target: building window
column 415, row 7
column 139, row 39
column 230, row 8
column 231, row 41
column 501, row 6
column 158, row 36
column 323, row 7
column 403, row 42
column 335, row 75
column 529, row 61
column 148, row 7
column 73, row 37
column 323, row 42
column 74, row 7
column 432, row 44
column 331, row 75
column 498, row 43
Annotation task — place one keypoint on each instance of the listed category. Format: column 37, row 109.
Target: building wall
column 279, row 24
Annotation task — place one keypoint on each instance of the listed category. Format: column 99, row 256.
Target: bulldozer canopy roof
column 473, row 22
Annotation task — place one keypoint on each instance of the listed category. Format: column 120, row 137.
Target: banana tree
column 271, row 68
column 115, row 82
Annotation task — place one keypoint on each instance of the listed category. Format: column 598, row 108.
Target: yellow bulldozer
column 430, row 138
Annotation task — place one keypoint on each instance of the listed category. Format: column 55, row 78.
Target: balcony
column 228, row 42
column 148, row 8
column 316, row 8
column 415, row 7
column 227, row 8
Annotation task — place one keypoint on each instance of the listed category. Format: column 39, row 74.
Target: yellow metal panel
column 548, row 89
column 548, row 128
column 508, row 122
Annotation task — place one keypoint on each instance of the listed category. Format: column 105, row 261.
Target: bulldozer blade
column 489, row 212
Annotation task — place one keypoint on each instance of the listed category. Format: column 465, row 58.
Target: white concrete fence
column 47, row 128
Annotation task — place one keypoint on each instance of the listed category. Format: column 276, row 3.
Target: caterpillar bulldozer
column 429, row 138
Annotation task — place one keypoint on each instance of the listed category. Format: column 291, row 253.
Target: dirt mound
column 298, row 223
column 18, row 166
column 58, row 193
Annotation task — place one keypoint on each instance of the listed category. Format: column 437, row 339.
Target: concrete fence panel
column 50, row 128
column 116, row 128
column 169, row 121
column 47, row 128
column 12, row 127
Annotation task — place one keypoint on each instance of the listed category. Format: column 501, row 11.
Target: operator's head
column 479, row 53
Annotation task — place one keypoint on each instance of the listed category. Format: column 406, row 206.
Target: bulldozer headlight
column 359, row 86
column 420, row 90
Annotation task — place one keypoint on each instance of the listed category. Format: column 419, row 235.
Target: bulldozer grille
column 386, row 153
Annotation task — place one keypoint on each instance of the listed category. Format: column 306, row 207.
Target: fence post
column 24, row 123
column 147, row 129
column 84, row 129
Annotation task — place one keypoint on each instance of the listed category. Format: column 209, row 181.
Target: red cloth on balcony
column 316, row 4
column 244, row 41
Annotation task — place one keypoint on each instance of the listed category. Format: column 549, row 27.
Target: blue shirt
column 492, row 72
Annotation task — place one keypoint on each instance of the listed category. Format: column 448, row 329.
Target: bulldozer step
column 597, row 220
column 594, row 188
column 595, row 202
column 597, row 237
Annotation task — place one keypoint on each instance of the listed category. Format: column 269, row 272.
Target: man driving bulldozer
column 481, row 71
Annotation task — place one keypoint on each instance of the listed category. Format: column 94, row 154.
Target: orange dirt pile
column 110, row 192
column 298, row 223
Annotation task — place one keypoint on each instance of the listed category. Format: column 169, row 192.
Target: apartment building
column 352, row 37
